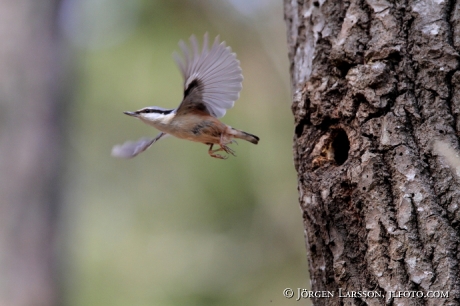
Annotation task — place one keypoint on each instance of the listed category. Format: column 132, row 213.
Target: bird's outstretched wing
column 212, row 77
column 131, row 149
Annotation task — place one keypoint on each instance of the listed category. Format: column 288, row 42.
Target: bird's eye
column 147, row 111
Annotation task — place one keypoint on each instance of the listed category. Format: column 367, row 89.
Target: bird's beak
column 133, row 114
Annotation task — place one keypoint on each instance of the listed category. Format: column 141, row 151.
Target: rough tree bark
column 374, row 83
column 30, row 152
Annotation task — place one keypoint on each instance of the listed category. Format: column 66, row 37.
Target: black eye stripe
column 158, row 111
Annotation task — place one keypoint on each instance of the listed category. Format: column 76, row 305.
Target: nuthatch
column 212, row 84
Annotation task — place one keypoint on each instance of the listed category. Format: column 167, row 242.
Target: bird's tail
column 246, row 136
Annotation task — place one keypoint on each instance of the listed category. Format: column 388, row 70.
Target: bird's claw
column 228, row 150
column 218, row 156
column 222, row 148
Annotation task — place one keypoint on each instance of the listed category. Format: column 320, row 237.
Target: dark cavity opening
column 300, row 127
column 341, row 146
column 343, row 68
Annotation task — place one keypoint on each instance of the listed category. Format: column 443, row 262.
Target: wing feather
column 212, row 77
column 131, row 149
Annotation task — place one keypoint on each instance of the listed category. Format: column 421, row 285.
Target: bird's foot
column 218, row 156
column 212, row 153
column 227, row 150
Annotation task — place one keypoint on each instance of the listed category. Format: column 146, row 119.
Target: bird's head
column 152, row 114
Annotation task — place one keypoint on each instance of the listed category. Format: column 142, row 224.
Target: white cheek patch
column 157, row 117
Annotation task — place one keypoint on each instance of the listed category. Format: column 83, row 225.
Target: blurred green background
column 174, row 226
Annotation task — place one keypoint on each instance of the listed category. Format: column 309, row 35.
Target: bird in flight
column 212, row 84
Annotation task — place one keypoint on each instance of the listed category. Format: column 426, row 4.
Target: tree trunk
column 375, row 82
column 30, row 143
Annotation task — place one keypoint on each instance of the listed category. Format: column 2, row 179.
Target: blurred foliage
column 174, row 226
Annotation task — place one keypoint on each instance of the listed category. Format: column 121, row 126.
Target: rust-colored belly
column 207, row 130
